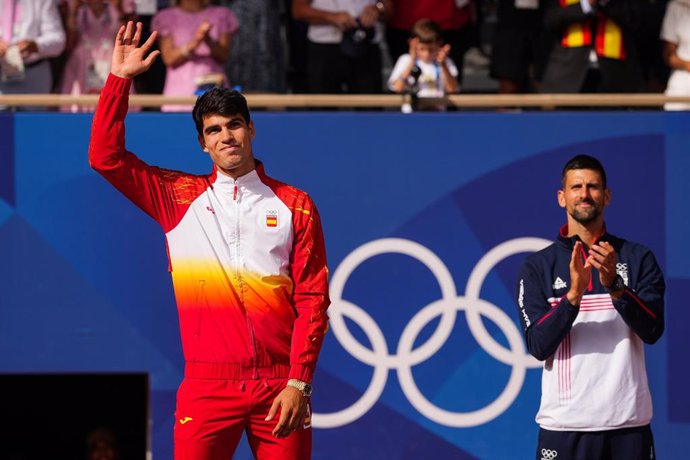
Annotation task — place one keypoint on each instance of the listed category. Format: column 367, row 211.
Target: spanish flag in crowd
column 608, row 40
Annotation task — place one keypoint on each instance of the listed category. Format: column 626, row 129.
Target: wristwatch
column 304, row 387
column 617, row 285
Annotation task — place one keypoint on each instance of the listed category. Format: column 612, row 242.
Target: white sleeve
column 400, row 65
column 452, row 68
column 51, row 40
column 669, row 28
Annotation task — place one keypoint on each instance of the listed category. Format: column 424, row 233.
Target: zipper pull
column 234, row 193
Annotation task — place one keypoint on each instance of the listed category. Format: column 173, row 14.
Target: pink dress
column 88, row 64
column 181, row 26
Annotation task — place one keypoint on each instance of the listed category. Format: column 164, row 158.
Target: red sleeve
column 310, row 277
column 162, row 194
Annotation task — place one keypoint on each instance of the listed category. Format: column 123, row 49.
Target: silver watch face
column 308, row 390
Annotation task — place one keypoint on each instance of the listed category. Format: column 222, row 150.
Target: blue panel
column 7, row 158
column 678, row 189
column 84, row 283
column 678, row 332
column 6, row 211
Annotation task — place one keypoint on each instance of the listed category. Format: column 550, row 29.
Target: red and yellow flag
column 609, row 37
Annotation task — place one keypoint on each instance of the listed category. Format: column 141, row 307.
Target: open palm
column 129, row 59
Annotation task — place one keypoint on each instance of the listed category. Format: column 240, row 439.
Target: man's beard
column 586, row 217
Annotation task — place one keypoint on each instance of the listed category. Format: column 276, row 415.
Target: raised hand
column 443, row 53
column 201, row 35
column 202, row 31
column 413, row 42
column 580, row 273
column 129, row 59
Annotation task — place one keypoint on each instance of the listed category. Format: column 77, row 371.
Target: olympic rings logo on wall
column 447, row 307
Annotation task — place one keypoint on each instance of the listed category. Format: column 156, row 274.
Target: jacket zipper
column 238, row 276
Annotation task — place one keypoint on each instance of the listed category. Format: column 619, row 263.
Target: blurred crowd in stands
column 352, row 46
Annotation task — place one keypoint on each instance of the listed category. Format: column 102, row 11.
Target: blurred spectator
column 31, row 31
column 57, row 63
column 259, row 46
column 297, row 43
column 344, row 36
column 675, row 32
column 517, row 54
column 594, row 49
column 101, row 444
column 426, row 70
column 91, row 26
column 655, row 73
column 454, row 16
column 194, row 39
column 153, row 80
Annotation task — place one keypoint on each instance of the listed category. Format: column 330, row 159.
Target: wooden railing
column 280, row 102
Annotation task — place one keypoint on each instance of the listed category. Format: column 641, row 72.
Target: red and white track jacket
column 247, row 256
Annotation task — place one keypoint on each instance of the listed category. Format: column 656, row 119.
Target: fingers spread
column 127, row 37
column 120, row 34
column 137, row 34
column 149, row 41
column 150, row 58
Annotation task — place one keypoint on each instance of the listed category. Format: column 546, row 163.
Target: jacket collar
column 253, row 176
column 569, row 241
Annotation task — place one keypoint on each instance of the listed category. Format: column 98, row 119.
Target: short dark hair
column 584, row 162
column 219, row 101
column 427, row 31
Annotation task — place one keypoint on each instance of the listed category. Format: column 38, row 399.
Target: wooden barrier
column 297, row 101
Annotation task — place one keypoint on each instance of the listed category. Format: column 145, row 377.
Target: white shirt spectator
column 431, row 82
column 38, row 21
column 326, row 33
column 676, row 30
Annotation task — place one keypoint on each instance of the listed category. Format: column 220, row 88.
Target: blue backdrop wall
column 426, row 217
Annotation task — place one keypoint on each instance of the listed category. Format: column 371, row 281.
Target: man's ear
column 607, row 196
column 252, row 129
column 202, row 143
column 561, row 199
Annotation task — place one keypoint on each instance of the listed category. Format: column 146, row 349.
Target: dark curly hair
column 219, row 101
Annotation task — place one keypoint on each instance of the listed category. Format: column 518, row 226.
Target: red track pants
column 212, row 414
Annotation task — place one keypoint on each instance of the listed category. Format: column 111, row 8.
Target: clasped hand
column 601, row 256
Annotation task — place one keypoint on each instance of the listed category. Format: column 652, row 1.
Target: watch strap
column 617, row 285
column 303, row 387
